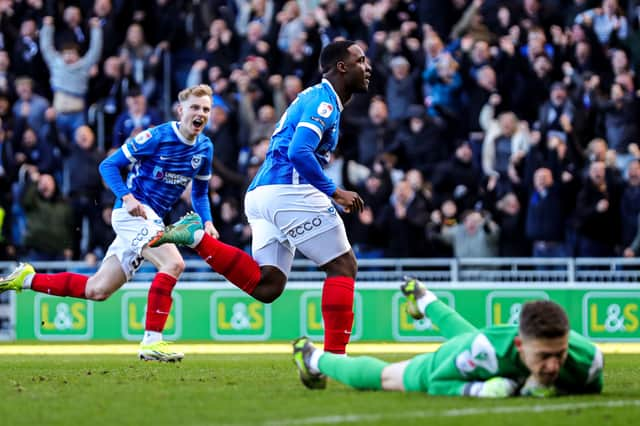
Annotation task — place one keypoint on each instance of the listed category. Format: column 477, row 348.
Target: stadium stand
column 511, row 124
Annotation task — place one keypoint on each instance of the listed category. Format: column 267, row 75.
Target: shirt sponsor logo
column 141, row 237
column 305, row 227
column 170, row 178
column 158, row 173
column 325, row 109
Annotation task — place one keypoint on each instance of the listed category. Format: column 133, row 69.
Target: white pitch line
column 457, row 412
column 97, row 348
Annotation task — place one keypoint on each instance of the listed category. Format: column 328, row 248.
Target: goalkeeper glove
column 497, row 387
column 534, row 388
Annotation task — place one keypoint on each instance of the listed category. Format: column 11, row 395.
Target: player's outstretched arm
column 496, row 387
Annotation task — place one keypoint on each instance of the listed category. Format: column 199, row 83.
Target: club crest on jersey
column 196, row 160
column 325, row 109
column 142, row 137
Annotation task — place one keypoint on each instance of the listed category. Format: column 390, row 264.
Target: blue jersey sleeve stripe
column 200, row 177
column 313, row 127
column 127, row 153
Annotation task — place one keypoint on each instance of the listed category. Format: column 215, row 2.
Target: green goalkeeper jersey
column 463, row 363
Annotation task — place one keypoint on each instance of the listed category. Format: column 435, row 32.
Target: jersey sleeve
column 142, row 145
column 460, row 362
column 582, row 372
column 200, row 186
column 206, row 165
column 318, row 115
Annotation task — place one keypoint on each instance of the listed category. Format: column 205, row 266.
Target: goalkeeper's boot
column 181, row 233
column 15, row 279
column 159, row 351
column 302, row 350
column 414, row 290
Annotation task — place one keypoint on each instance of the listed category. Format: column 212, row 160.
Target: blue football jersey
column 164, row 162
column 317, row 108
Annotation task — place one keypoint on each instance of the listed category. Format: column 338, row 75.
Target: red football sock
column 230, row 262
column 159, row 301
column 337, row 313
column 62, row 284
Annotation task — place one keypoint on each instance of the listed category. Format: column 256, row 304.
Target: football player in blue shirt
column 289, row 204
column 165, row 160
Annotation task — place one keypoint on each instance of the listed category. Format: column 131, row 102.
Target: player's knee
column 351, row 269
column 345, row 265
column 174, row 268
column 269, row 297
column 268, row 292
column 97, row 293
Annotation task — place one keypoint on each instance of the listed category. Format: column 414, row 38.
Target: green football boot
column 302, row 350
column 159, row 351
column 15, row 279
column 413, row 290
column 180, row 233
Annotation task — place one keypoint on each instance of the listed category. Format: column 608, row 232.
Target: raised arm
column 49, row 52
column 95, row 46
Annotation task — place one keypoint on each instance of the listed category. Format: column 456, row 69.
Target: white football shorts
column 296, row 217
column 132, row 234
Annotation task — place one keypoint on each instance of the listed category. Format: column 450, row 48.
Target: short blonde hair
column 198, row 90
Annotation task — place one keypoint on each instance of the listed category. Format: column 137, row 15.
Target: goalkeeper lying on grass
column 540, row 357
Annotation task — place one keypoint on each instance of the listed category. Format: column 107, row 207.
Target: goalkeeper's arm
column 496, row 387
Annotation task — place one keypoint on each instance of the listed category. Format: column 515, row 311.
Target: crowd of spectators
column 491, row 128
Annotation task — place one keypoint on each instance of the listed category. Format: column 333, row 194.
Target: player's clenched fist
column 349, row 200
column 133, row 206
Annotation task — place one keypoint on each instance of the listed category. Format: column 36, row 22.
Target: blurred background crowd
column 491, row 128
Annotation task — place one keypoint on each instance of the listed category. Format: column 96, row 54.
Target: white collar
column 174, row 126
column 340, row 107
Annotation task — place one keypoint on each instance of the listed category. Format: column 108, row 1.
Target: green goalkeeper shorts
column 416, row 375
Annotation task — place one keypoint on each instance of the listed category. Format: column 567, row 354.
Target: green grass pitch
column 264, row 390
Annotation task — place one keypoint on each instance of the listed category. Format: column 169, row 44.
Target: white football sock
column 314, row 360
column 425, row 301
column 151, row 337
column 27, row 281
column 197, row 237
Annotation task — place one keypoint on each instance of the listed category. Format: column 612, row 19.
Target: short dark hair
column 134, row 91
column 333, row 53
column 543, row 319
column 70, row 45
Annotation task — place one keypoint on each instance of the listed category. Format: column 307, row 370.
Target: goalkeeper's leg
column 314, row 365
column 362, row 372
column 421, row 302
column 449, row 322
